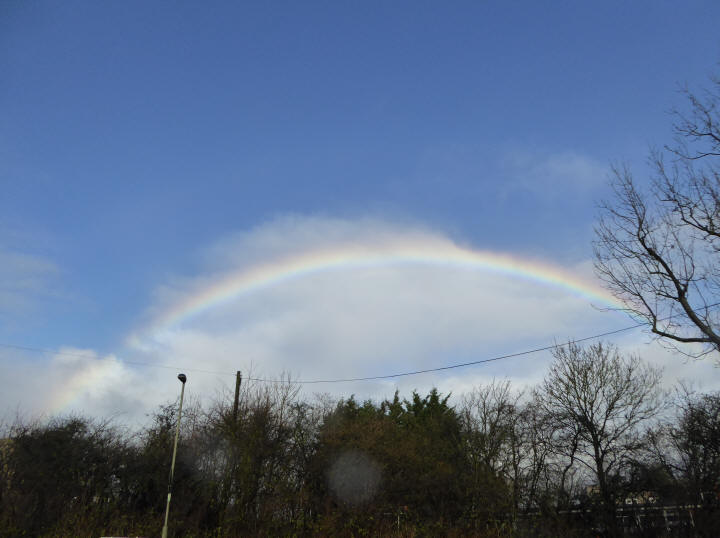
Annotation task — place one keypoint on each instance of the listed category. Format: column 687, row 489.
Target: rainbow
column 427, row 252
column 444, row 254
column 94, row 373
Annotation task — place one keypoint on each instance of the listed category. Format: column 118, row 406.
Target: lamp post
column 182, row 378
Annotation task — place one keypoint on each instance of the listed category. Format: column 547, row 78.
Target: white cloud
column 554, row 174
column 702, row 373
column 354, row 321
column 72, row 380
column 24, row 279
column 365, row 321
column 296, row 234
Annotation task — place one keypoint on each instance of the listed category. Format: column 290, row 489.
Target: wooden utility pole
column 238, row 380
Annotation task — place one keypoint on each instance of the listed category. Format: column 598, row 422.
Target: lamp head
column 182, row 378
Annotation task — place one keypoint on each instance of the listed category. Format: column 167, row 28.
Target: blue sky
column 138, row 140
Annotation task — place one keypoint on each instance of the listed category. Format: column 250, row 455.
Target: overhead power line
column 470, row 363
column 350, row 379
column 341, row 380
column 451, row 366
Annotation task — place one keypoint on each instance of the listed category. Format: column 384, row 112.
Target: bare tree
column 490, row 414
column 659, row 251
column 538, row 476
column 492, row 439
column 688, row 446
column 597, row 401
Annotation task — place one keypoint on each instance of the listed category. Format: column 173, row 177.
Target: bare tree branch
column 658, row 250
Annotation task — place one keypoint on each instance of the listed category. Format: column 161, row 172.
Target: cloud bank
column 350, row 322
column 362, row 321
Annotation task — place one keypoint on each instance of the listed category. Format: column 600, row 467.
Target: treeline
column 597, row 448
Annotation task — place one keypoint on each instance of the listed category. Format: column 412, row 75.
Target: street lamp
column 182, row 378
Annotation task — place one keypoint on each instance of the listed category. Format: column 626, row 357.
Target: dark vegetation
column 592, row 450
